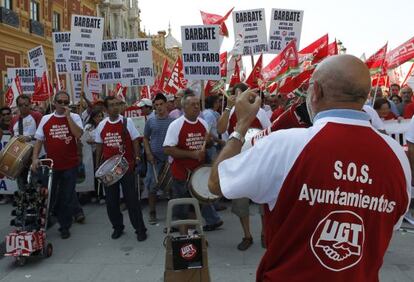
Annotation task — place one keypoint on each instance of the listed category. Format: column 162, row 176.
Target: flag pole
column 57, row 77
column 408, row 75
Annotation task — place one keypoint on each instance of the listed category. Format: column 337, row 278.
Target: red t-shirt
column 59, row 142
column 186, row 135
column 408, row 111
column 109, row 134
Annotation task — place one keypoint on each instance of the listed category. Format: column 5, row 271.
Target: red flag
column 380, row 80
column 255, row 78
column 333, row 49
column 316, row 51
column 375, row 63
column 116, row 90
column 283, row 65
column 223, row 64
column 165, row 74
column 9, row 96
column 235, row 78
column 209, row 87
column 124, row 91
column 176, row 80
column 296, row 81
column 217, row 19
column 401, row 54
column 145, row 92
column 41, row 92
column 154, row 89
column 18, row 84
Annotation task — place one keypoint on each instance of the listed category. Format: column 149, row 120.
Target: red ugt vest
column 333, row 219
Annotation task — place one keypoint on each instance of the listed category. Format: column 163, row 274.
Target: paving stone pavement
column 91, row 255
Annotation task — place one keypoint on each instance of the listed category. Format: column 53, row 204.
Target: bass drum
column 15, row 157
column 199, row 185
column 112, row 170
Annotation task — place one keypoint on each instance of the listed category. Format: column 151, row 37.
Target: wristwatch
column 238, row 136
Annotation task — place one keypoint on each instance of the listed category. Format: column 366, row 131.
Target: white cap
column 170, row 98
column 145, row 102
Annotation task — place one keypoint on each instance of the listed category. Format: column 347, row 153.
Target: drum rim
column 192, row 190
column 28, row 147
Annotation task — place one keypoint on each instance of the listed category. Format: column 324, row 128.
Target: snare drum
column 112, row 170
column 14, row 157
column 199, row 185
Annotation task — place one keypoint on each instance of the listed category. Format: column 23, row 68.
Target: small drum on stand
column 14, row 157
column 112, row 170
column 199, row 185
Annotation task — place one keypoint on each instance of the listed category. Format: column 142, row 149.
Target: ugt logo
column 338, row 240
column 188, row 251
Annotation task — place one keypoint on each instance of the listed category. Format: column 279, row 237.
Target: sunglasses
column 23, row 105
column 63, row 102
column 6, row 114
column 406, row 92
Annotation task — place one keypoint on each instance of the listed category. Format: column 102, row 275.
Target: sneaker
column 117, row 233
column 94, row 200
column 102, row 202
column 152, row 218
column 212, row 227
column 64, row 233
column 80, row 218
column 3, row 201
column 142, row 236
column 245, row 244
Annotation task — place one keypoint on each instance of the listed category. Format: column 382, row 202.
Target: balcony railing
column 9, row 17
column 37, row 28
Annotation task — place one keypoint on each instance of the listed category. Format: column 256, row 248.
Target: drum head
column 108, row 165
column 199, row 185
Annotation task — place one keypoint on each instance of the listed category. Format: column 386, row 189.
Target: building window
column 34, row 10
column 56, row 22
column 8, row 4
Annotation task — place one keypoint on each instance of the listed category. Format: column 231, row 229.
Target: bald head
column 343, row 78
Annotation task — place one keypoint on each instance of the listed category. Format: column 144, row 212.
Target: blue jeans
column 180, row 190
column 149, row 181
column 64, row 200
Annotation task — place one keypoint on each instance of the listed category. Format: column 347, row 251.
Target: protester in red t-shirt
column 117, row 135
column 331, row 203
column 59, row 133
column 186, row 142
column 227, row 122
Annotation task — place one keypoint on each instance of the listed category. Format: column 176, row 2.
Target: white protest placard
column 61, row 47
column 252, row 24
column 75, row 70
column 27, row 77
column 37, row 58
column 110, row 70
column 86, row 38
column 92, row 87
column 285, row 25
column 201, row 52
column 136, row 62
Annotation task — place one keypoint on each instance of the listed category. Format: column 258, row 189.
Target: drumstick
column 155, row 173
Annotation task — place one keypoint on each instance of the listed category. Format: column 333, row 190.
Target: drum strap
column 20, row 125
column 124, row 133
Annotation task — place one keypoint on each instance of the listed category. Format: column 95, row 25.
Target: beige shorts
column 240, row 207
